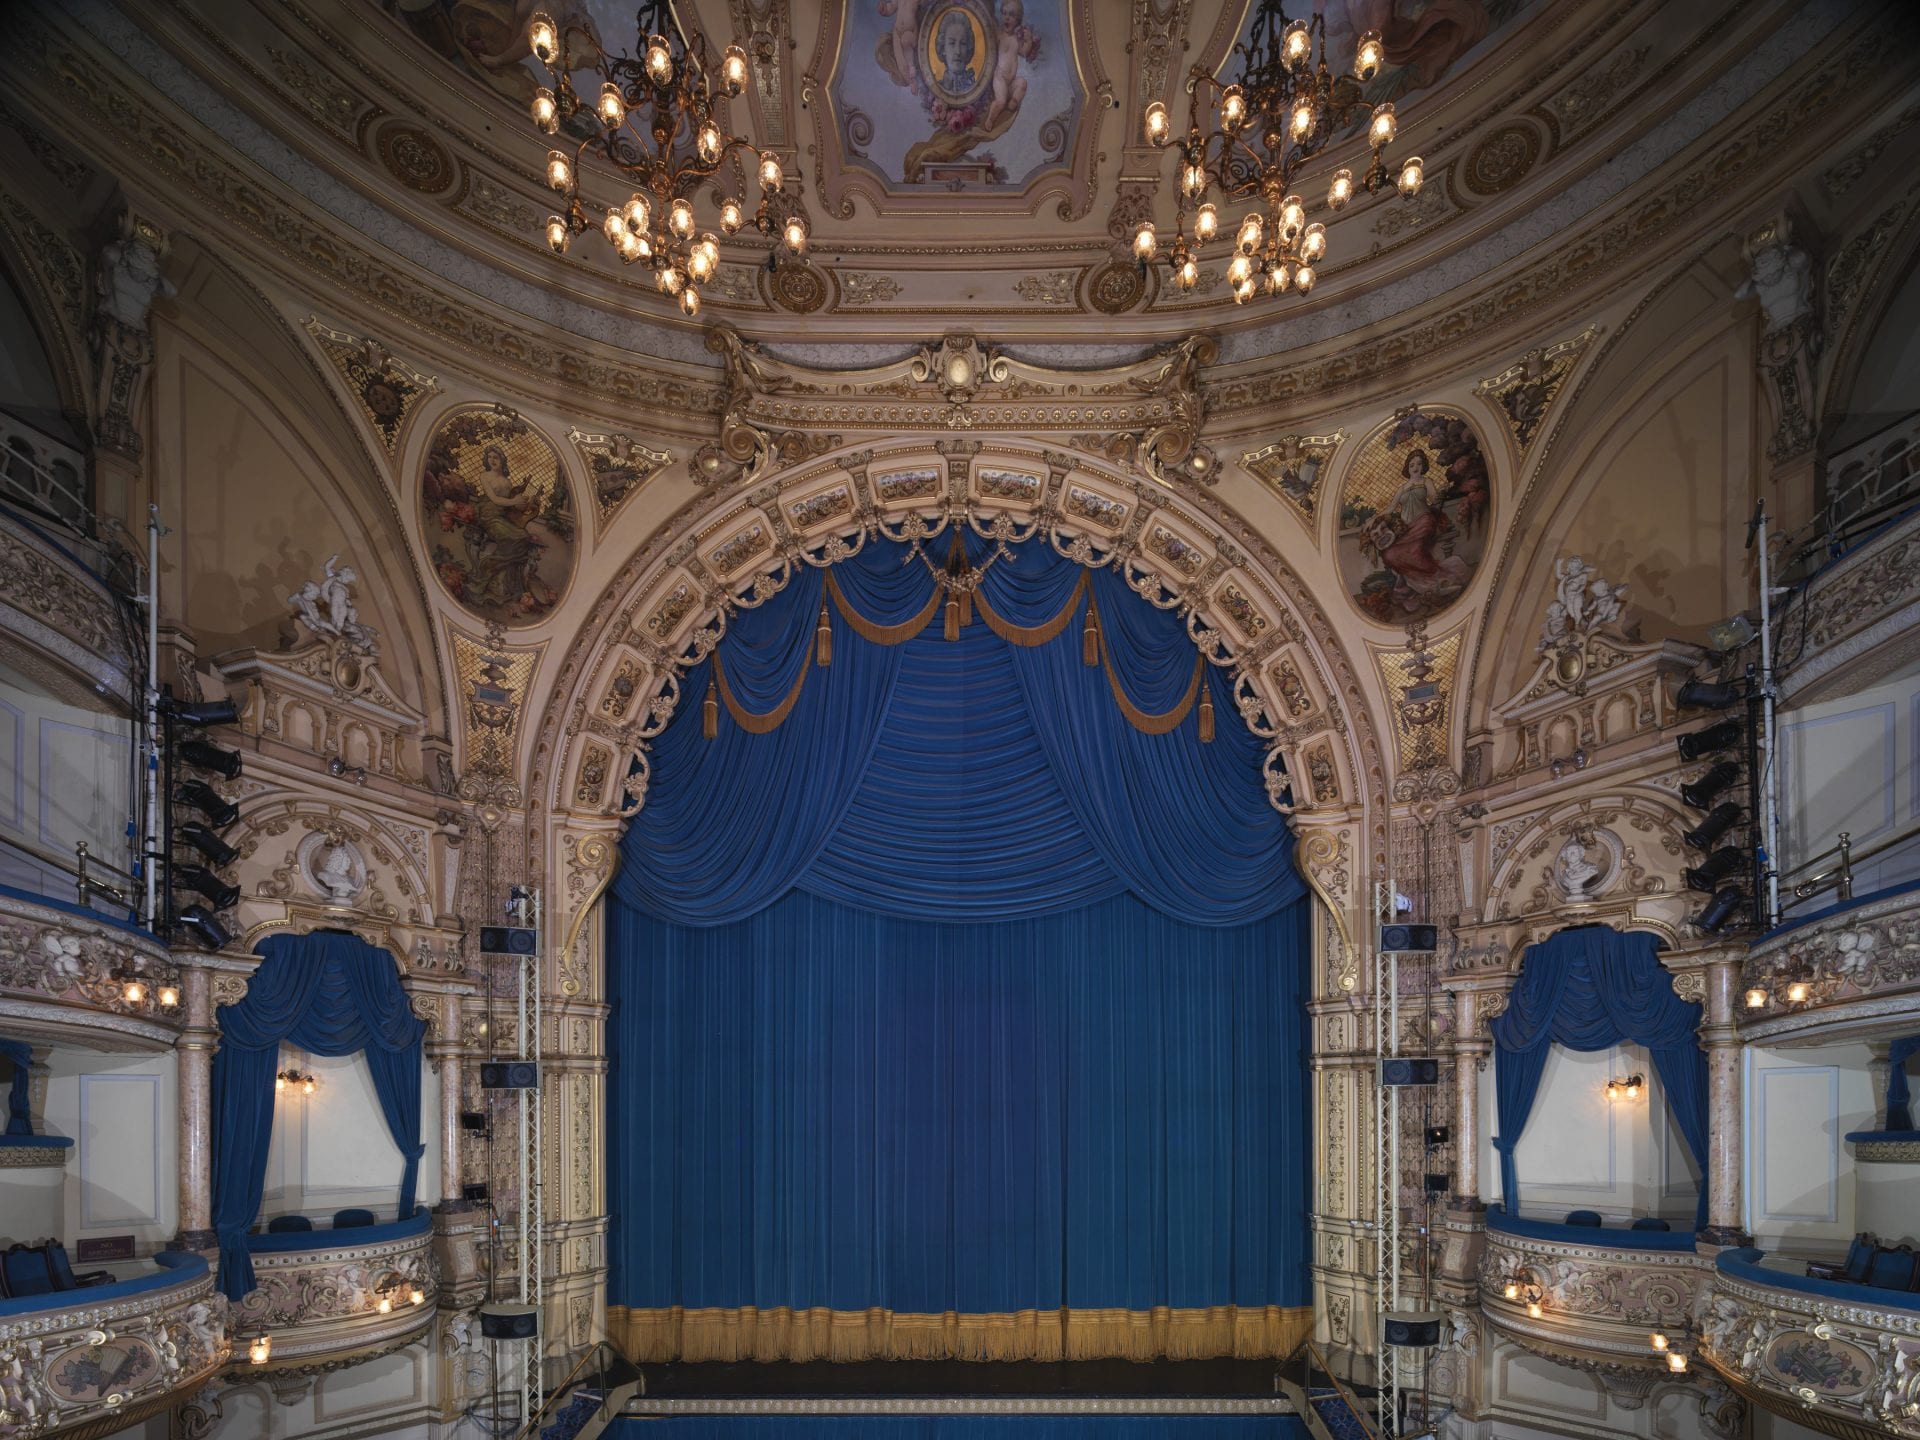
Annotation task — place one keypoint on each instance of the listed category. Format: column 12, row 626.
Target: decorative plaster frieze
column 61, row 969
column 1857, row 968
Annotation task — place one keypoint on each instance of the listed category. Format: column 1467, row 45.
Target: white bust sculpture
column 1574, row 871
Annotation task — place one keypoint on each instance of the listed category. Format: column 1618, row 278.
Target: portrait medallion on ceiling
column 962, row 96
column 497, row 517
column 1414, row 515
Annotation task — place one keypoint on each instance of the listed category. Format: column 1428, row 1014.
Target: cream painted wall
column 1801, row 1181
column 331, row 1149
column 64, row 777
column 1582, row 1151
column 33, row 1204
column 1529, row 1397
column 121, row 1112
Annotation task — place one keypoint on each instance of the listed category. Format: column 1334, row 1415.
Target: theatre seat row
column 1868, row 1262
column 1592, row 1219
column 342, row 1220
column 43, row 1269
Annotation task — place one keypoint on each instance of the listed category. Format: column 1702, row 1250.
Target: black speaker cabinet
column 507, row 1321
column 1405, row 939
column 510, row 1075
column 473, row 1119
column 1405, row 1329
column 1395, row 1070
column 474, row 1192
column 507, row 939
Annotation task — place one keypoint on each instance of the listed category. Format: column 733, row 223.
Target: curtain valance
column 328, row 993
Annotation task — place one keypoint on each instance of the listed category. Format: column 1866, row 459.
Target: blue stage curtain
column 1588, row 989
column 328, row 993
column 819, row 1108
column 1899, row 1109
column 961, row 1427
column 956, row 780
column 19, row 1102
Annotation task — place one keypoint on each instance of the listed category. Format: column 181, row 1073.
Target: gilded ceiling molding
column 387, row 390
column 494, row 679
column 616, row 467
column 1294, row 467
column 764, row 29
column 1417, row 683
column 1524, row 392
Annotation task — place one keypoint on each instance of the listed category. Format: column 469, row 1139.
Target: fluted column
column 1725, row 1111
column 199, row 1038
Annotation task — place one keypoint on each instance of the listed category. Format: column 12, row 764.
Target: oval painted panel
column 497, row 516
column 87, row 1374
column 1827, row 1367
column 1415, row 510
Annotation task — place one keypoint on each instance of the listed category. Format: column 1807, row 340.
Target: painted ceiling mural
column 497, row 516
column 1425, row 40
column 1414, row 514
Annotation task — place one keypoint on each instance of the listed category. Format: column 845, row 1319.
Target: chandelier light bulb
column 1189, row 273
column 680, row 217
column 546, row 111
column 1146, row 244
column 1240, row 270
column 699, row 265
column 613, row 109
column 1251, row 230
column 690, row 302
column 732, row 217
column 709, row 245
column 1313, row 244
column 1370, row 56
column 1298, row 44
column 733, row 69
column 1206, row 224
column 558, row 238
column 659, row 61
column 633, row 246
column 1303, row 117
column 1233, row 108
column 1412, row 174
column 771, row 176
column 709, row 142
column 671, row 280
column 614, row 227
column 637, row 212
column 543, row 38
column 559, row 171
column 1340, row 191
column 1157, row 123
column 1303, row 279
column 1244, row 291
column 795, row 235
column 1384, row 125
column 1193, row 179
column 1277, row 278
column 1293, row 218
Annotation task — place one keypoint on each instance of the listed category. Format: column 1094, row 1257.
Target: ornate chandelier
column 654, row 121
column 1285, row 109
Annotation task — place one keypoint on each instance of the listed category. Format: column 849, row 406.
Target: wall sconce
column 1657, row 1340
column 386, row 1305
column 416, row 1296
column 260, row 1349
column 1756, row 999
column 169, row 997
column 1797, row 992
column 295, row 1080
column 1627, row 1089
column 1522, row 1288
column 1676, row 1362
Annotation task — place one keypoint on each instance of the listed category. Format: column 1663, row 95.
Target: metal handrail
column 603, row 1351
column 1840, row 877
column 1339, row 1388
column 81, row 870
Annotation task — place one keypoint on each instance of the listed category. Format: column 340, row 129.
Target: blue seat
column 1891, row 1269
column 1859, row 1259
column 351, row 1219
column 63, row 1276
column 26, row 1271
column 286, row 1224
column 1651, row 1222
column 1584, row 1217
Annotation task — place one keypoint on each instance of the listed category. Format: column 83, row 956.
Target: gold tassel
column 1206, row 716
column 1090, row 637
column 953, row 616
column 823, row 638
column 966, row 608
column 710, row 712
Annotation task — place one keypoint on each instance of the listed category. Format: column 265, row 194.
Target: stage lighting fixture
column 1699, row 793
column 220, row 893
column 1702, row 743
column 204, row 798
column 202, row 712
column 1720, row 909
column 216, row 850
column 211, row 757
column 1722, row 864
column 199, row 921
column 1707, row 695
column 1718, row 821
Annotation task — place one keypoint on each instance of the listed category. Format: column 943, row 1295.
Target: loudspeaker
column 474, row 1193
column 1440, row 1183
column 1407, row 1329
column 507, row 1321
column 507, row 939
column 1399, row 1070
column 1410, row 939
column 473, row 1120
column 509, row 1075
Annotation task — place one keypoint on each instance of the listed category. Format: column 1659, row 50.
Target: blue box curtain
column 1588, row 989
column 331, row 994
column 959, row 992
column 19, row 1105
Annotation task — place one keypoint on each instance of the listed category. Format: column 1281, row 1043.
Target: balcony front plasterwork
column 51, row 604
column 1601, row 1301
column 1866, row 602
column 1860, row 969
column 63, row 976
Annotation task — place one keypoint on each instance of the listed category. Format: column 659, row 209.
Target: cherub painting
column 1413, row 516
column 498, row 516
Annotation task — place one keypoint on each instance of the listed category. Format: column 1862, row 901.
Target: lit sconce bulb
column 1512, row 1292
column 558, row 237
column 613, row 109
column 614, row 227
column 1797, row 992
column 279, row 1082
column 771, row 176
column 1206, row 223
column 1240, row 270
column 634, row 246
column 169, row 996
column 1244, row 291
column 1303, row 117
column 733, row 69
column 546, row 110
column 1657, row 1340
column 1251, row 230
column 1633, row 1090
column 1298, row 44
column 1293, row 217
column 1313, row 244
column 1340, row 191
column 1533, row 1309
column 417, row 1296
column 386, row 1305
column 732, row 217
column 659, row 60
column 795, row 235
column 1676, row 1362
column 307, row 1086
column 1371, row 55
column 1412, row 175
column 1233, row 107
column 690, row 302
column 559, row 171
column 672, row 282
column 708, row 142
column 1384, row 126
column 1146, row 243
column 1756, row 999
column 260, row 1349
column 135, row 992
column 1189, row 273
column 1193, row 179
column 543, row 38
column 1158, row 125
column 680, row 218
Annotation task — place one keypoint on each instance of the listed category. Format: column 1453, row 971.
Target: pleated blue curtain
column 1899, row 1094
column 19, row 1101
column 1589, row 989
column 331, row 994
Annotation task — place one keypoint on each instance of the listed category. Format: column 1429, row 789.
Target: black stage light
column 219, row 893
column 1718, row 821
column 1702, row 743
column 473, row 1119
column 1707, row 695
column 1720, row 909
column 206, row 842
column 1438, row 1134
column 211, row 757
column 207, row 930
column 204, row 798
column 202, row 712
column 1699, row 793
column 1722, row 864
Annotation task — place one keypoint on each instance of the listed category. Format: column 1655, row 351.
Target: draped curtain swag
column 19, row 1105
column 327, row 993
column 1899, row 1093
column 1589, row 989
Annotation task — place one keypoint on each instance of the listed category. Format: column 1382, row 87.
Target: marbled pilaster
column 199, row 1038
column 1725, row 1159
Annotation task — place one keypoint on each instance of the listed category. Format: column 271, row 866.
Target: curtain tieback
column 1505, row 1147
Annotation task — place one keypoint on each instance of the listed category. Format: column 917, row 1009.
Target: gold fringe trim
column 746, row 719
column 1167, row 721
column 883, row 634
column 1032, row 635
column 748, row 1333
